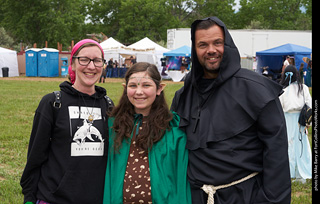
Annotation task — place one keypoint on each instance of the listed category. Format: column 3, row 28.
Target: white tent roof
column 145, row 50
column 8, row 58
column 34, row 49
column 4, row 50
column 147, row 44
column 111, row 43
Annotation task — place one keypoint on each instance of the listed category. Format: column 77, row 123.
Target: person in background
column 133, row 60
column 104, row 74
column 110, row 68
column 286, row 63
column 147, row 161
column 301, row 72
column 68, row 145
column 295, row 95
column 308, row 78
column 116, row 64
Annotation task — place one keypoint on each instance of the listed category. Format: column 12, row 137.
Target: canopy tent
column 184, row 51
column 274, row 57
column 146, row 44
column 111, row 44
column 112, row 49
column 148, row 51
column 174, row 60
column 8, row 58
column 145, row 50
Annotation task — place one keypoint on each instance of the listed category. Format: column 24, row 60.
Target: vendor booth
column 273, row 58
column 178, row 62
column 112, row 51
column 148, row 51
column 145, row 50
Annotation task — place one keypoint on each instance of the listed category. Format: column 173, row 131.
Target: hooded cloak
column 235, row 126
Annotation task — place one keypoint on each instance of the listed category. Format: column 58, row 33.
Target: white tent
column 111, row 44
column 8, row 58
column 113, row 49
column 146, row 44
column 153, row 51
column 145, row 50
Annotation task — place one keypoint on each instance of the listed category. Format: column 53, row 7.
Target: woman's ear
column 73, row 67
column 160, row 89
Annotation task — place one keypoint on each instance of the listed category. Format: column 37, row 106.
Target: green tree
column 37, row 21
column 141, row 18
column 223, row 9
column 103, row 16
column 275, row 14
column 5, row 40
column 129, row 21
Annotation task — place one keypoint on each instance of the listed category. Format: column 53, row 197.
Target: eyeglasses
column 84, row 61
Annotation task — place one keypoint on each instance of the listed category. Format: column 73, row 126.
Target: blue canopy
column 286, row 49
column 274, row 57
column 184, row 51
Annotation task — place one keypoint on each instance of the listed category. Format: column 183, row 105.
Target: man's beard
column 213, row 71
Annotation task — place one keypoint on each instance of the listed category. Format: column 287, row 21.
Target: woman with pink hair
column 68, row 147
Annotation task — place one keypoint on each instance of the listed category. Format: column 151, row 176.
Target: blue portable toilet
column 48, row 62
column 64, row 66
column 32, row 62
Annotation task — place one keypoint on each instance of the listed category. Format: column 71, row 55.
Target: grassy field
column 19, row 97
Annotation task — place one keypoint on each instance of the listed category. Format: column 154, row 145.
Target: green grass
column 18, row 102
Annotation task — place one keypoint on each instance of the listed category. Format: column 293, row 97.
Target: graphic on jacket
column 86, row 137
column 86, row 131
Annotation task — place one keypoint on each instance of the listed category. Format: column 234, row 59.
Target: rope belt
column 211, row 189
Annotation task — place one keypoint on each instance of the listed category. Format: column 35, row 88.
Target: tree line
column 37, row 21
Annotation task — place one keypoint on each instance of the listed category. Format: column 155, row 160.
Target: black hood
column 230, row 62
column 67, row 87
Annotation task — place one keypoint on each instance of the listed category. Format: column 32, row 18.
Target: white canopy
column 111, row 44
column 146, row 44
column 8, row 58
column 145, row 50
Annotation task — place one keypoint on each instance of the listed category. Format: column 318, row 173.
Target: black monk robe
column 235, row 126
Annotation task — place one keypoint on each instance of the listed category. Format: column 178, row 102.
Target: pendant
column 90, row 118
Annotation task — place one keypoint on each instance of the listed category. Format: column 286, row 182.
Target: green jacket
column 168, row 161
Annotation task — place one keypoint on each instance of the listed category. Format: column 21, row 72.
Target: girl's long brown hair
column 157, row 120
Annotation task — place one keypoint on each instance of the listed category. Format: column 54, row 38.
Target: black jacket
column 235, row 126
column 67, row 154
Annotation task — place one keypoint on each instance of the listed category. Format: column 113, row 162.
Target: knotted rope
column 211, row 189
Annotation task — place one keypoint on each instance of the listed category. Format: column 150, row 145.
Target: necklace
column 91, row 116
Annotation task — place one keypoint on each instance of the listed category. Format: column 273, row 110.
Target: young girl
column 295, row 95
column 147, row 161
column 68, row 144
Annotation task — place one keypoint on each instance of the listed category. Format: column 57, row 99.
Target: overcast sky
column 237, row 6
